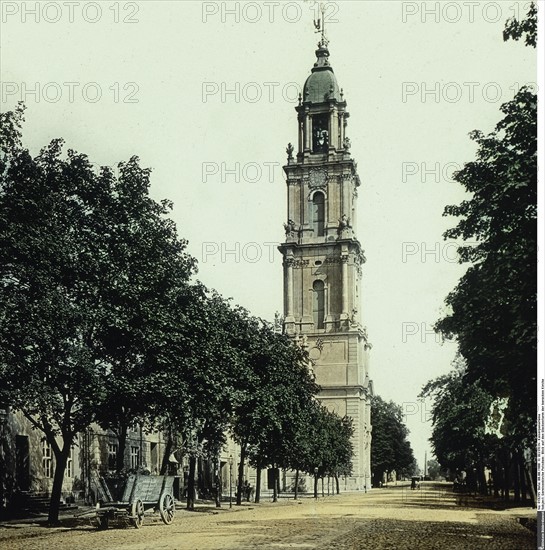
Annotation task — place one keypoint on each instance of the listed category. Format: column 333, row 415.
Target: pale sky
column 204, row 93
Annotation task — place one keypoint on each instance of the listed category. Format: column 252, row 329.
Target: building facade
column 27, row 460
column 323, row 259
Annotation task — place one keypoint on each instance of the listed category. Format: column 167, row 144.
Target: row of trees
column 101, row 321
column 484, row 412
column 391, row 451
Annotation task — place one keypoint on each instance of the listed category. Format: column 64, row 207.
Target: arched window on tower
column 318, row 214
column 318, row 304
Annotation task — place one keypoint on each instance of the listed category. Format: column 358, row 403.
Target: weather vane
column 319, row 25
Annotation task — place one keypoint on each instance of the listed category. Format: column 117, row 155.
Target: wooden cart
column 142, row 495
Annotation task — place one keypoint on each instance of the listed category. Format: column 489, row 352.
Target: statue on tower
column 321, row 139
column 344, row 223
column 289, row 151
column 354, row 318
column 289, row 228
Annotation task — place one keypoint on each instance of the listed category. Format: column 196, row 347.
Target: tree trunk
column 275, row 484
column 522, row 477
column 296, row 488
column 530, row 481
column 201, row 488
column 61, row 459
column 481, row 479
column 217, row 481
column 122, row 444
column 516, row 478
column 506, row 483
column 257, row 484
column 191, row 483
column 315, row 485
column 337, row 484
column 471, row 480
column 166, row 455
column 495, row 480
column 241, row 473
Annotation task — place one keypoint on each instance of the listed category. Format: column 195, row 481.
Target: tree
column 204, row 374
column 460, row 413
column 493, row 309
column 390, row 450
column 434, row 469
column 280, row 390
column 336, row 449
column 71, row 331
column 515, row 29
column 149, row 268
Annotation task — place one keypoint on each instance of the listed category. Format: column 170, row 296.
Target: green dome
column 321, row 85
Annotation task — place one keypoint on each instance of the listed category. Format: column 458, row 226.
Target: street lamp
column 230, row 482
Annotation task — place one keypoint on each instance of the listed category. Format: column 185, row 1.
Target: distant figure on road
column 247, row 490
column 244, row 489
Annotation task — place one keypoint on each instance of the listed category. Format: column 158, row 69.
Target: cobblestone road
column 393, row 518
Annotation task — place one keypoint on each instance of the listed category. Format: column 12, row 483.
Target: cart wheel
column 103, row 522
column 167, row 508
column 137, row 513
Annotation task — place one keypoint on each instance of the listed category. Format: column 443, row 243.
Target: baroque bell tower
column 323, row 259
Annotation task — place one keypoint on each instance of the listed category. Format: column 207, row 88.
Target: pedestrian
column 247, row 489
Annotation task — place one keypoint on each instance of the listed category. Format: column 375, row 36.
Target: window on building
column 318, row 214
column 69, row 472
column 135, row 457
column 47, row 459
column 318, row 306
column 154, row 457
column 112, row 456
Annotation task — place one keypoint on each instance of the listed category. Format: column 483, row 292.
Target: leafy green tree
column 280, row 390
column 204, row 372
column 390, row 449
column 434, row 469
column 494, row 305
column 324, row 446
column 150, row 268
column 336, row 446
column 515, row 29
column 50, row 309
column 493, row 309
column 460, row 412
column 79, row 310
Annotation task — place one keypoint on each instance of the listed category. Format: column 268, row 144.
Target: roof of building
column 321, row 85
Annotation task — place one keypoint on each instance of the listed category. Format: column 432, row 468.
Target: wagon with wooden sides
column 137, row 497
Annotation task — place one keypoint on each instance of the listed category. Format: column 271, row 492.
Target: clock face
column 317, row 177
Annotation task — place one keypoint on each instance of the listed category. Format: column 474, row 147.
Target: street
column 390, row 518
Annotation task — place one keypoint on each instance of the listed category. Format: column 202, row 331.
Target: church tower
column 323, row 260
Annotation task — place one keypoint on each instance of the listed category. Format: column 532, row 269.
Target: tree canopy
column 391, row 451
column 493, row 309
column 101, row 321
column 492, row 312
column 89, row 263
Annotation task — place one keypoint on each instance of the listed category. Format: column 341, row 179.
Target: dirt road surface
column 393, row 518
